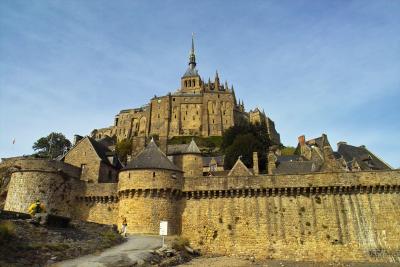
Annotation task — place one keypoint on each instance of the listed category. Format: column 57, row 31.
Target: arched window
column 154, row 174
column 194, row 82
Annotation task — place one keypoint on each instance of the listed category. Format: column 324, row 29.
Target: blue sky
column 315, row 66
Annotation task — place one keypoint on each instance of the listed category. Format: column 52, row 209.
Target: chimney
column 302, row 140
column 271, row 166
column 255, row 164
column 77, row 138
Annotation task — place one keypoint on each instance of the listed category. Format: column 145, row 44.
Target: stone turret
column 148, row 189
column 190, row 160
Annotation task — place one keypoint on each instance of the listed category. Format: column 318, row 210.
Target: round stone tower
column 49, row 181
column 149, row 189
column 190, row 160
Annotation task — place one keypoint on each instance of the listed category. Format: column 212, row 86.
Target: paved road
column 136, row 249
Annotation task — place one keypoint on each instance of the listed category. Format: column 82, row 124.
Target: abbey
column 316, row 205
column 197, row 108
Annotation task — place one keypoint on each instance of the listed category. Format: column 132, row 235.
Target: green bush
column 110, row 237
column 7, row 231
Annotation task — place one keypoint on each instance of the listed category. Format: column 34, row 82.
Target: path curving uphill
column 135, row 250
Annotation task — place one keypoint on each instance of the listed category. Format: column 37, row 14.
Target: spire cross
column 192, row 42
column 192, row 56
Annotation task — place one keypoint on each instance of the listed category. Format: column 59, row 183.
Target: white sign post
column 163, row 231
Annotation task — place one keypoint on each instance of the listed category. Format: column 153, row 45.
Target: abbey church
column 197, row 108
column 315, row 205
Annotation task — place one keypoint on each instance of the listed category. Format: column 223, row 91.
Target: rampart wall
column 48, row 181
column 317, row 217
column 321, row 216
column 96, row 202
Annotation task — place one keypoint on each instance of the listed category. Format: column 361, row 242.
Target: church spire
column 192, row 56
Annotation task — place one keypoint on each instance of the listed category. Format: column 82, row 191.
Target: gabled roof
column 319, row 141
column 107, row 141
column 151, row 158
column 101, row 150
column 239, row 169
column 295, row 167
column 289, row 158
column 365, row 158
column 190, row 148
column 104, row 152
column 218, row 159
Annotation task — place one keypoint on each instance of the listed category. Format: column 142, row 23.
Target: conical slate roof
column 151, row 158
column 192, row 148
column 179, row 149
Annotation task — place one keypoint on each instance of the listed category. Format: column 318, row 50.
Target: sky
column 314, row 66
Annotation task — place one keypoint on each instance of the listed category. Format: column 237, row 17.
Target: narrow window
column 83, row 168
column 185, row 83
column 154, row 174
column 194, row 83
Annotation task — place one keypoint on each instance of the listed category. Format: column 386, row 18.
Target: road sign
column 163, row 227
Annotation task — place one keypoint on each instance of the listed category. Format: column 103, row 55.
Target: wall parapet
column 292, row 191
column 45, row 166
column 171, row 193
column 344, row 181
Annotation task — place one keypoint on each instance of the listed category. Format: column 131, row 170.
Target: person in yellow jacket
column 36, row 207
column 38, row 212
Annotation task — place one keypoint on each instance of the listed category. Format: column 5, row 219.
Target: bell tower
column 191, row 81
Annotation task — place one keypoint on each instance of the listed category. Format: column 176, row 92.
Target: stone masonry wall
column 96, row 202
column 49, row 181
column 324, row 216
column 148, row 196
column 84, row 155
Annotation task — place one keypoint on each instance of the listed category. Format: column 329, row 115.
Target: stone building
column 317, row 205
column 97, row 162
column 197, row 108
column 308, row 215
column 317, row 155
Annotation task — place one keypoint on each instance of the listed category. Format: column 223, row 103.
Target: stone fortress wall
column 49, row 181
column 319, row 216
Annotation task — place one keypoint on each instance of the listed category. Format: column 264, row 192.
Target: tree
column 51, row 146
column 123, row 149
column 288, row 151
column 243, row 140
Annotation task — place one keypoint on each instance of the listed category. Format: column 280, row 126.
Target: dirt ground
column 236, row 262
